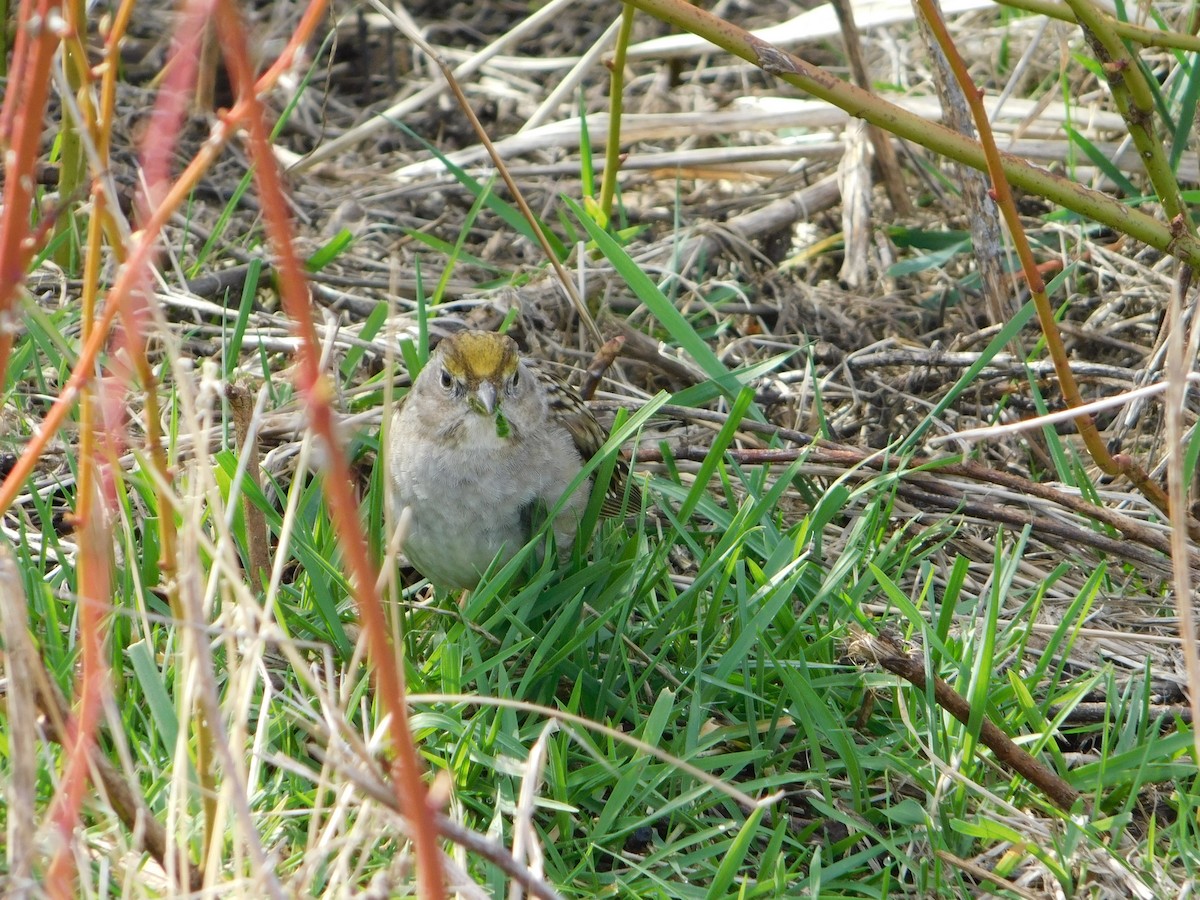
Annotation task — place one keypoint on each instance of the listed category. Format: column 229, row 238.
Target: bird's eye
column 447, row 380
column 516, row 379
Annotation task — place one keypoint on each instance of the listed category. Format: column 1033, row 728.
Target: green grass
column 714, row 630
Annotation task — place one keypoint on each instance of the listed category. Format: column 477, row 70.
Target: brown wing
column 589, row 437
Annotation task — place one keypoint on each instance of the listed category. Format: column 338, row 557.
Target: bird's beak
column 485, row 399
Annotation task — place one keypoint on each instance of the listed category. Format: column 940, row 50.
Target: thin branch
column 885, row 651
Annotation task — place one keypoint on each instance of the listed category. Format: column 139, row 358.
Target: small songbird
column 484, row 443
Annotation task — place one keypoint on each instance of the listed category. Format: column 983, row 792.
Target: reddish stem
column 94, row 591
column 315, row 388
column 21, row 134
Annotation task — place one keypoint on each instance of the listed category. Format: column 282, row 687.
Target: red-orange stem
column 315, row 389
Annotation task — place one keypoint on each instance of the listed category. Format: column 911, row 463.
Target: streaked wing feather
column 589, row 437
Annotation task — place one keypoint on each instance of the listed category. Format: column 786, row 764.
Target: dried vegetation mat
column 889, row 623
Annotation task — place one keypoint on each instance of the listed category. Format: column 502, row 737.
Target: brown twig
column 981, row 874
column 885, row 651
column 1098, row 713
column 601, row 362
column 924, row 491
column 241, row 403
column 1179, row 364
column 130, row 275
column 25, row 99
column 825, row 86
column 79, row 739
column 987, row 240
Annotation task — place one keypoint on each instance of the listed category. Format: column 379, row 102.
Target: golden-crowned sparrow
column 483, row 443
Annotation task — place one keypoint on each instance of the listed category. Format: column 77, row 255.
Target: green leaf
column 329, row 251
column 1101, row 162
column 735, row 857
column 928, row 261
column 162, row 710
column 663, row 310
column 232, row 348
column 510, row 215
column 713, row 458
column 1006, row 334
column 928, row 239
